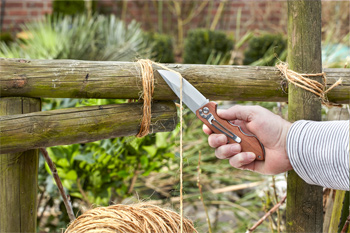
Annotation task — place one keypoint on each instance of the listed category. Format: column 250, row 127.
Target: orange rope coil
column 134, row 218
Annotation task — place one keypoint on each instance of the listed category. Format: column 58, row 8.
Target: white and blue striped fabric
column 319, row 152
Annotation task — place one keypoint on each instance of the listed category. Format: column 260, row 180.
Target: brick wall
column 268, row 15
column 17, row 12
column 265, row 16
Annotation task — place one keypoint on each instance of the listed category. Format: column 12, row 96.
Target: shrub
column 162, row 47
column 200, row 44
column 80, row 37
column 69, row 7
column 6, row 37
column 265, row 49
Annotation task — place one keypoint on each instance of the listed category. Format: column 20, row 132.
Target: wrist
column 284, row 138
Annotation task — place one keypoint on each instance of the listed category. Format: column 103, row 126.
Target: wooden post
column 18, row 176
column 338, row 209
column 304, row 202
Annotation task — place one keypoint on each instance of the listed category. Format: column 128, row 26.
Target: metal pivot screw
column 205, row 110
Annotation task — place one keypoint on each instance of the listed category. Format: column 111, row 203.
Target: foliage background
column 124, row 170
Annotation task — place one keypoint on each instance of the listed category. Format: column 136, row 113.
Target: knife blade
column 206, row 111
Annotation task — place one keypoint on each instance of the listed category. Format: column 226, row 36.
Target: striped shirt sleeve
column 319, row 152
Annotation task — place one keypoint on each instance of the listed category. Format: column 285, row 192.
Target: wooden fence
column 23, row 127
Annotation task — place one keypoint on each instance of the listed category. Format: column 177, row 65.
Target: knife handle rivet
column 205, row 110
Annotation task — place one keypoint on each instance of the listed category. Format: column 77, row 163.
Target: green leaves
column 265, row 49
column 107, row 167
column 71, row 175
column 81, row 37
column 88, row 158
column 144, row 161
column 202, row 45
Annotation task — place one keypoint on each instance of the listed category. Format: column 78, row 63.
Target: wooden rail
column 80, row 125
column 121, row 80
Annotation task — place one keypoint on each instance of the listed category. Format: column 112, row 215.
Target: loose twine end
column 301, row 80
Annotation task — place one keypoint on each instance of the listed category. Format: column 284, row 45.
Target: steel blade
column 190, row 95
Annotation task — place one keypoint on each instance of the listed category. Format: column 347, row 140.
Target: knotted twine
column 301, row 80
column 148, row 88
column 134, row 218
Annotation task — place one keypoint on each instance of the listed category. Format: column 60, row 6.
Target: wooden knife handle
column 249, row 143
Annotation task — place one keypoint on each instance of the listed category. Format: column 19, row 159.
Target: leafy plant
column 265, row 50
column 68, row 7
column 102, row 172
column 86, row 38
column 6, row 37
column 162, row 47
column 200, row 44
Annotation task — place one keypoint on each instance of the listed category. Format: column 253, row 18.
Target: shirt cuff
column 319, row 152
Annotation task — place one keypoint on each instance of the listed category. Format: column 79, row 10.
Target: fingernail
column 235, row 148
column 251, row 156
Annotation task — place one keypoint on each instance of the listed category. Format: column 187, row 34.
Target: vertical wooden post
column 338, row 211
column 304, row 202
column 18, row 176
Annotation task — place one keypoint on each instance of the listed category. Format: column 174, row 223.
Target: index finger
column 239, row 112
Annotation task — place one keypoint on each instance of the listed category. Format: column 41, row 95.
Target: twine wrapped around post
column 134, row 218
column 148, row 88
column 313, row 86
column 147, row 93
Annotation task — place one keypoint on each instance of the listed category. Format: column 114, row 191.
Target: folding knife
column 206, row 112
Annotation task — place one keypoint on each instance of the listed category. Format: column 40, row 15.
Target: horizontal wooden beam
column 121, row 80
column 80, row 125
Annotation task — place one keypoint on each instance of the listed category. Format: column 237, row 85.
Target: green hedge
column 6, row 37
column 200, row 44
column 69, row 7
column 265, row 49
column 162, row 47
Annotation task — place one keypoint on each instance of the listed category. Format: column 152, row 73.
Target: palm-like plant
column 95, row 38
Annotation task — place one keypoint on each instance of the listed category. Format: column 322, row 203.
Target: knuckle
column 233, row 163
column 221, row 152
column 218, row 153
column 237, row 161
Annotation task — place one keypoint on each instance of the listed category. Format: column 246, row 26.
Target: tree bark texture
column 304, row 201
column 80, row 125
column 18, row 175
column 122, row 80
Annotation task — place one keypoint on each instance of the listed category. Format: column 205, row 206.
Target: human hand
column 271, row 130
